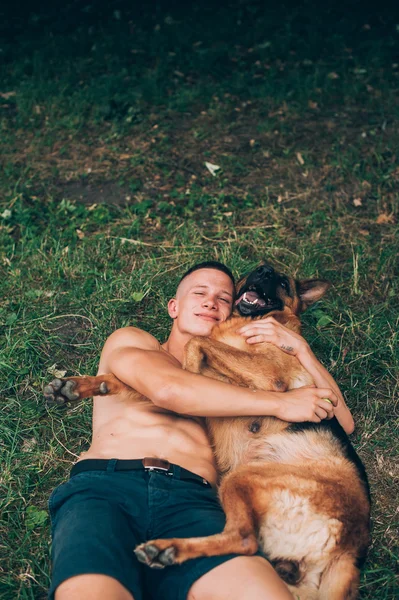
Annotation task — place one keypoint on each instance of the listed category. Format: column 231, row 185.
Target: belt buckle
column 156, row 464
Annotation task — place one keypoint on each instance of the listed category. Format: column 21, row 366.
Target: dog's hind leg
column 340, row 580
column 72, row 389
column 238, row 537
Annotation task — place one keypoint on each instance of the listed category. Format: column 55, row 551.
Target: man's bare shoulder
column 131, row 337
column 126, row 345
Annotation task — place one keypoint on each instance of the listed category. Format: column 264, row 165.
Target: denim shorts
column 98, row 517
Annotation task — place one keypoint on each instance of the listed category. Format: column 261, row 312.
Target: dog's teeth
column 249, row 301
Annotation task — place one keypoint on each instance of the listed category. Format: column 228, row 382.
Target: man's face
column 203, row 299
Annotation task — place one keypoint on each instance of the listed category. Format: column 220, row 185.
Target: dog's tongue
column 251, row 297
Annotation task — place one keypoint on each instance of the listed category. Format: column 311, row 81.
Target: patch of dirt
column 96, row 193
column 68, row 336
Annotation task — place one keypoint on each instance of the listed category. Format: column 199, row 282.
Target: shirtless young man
column 108, row 507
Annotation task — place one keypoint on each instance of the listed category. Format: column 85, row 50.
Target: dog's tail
column 340, row 580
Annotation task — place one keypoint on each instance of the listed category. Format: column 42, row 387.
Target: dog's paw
column 155, row 557
column 60, row 391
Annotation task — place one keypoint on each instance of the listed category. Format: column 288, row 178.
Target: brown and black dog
column 298, row 492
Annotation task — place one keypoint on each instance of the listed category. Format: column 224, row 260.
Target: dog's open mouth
column 251, row 302
column 251, row 298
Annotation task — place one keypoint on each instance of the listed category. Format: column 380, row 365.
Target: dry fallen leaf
column 384, row 218
column 55, row 372
column 7, row 95
column 333, row 75
column 357, row 202
column 29, row 444
column 212, row 168
column 300, row 158
column 80, row 234
column 312, row 104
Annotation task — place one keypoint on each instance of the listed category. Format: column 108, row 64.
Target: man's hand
column 270, row 330
column 307, row 404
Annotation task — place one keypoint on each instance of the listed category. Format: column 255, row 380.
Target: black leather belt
column 147, row 464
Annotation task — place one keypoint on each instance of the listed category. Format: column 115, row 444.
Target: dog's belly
column 292, row 448
column 234, row 443
column 292, row 529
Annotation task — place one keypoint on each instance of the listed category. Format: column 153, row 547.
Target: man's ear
column 311, row 290
column 172, row 308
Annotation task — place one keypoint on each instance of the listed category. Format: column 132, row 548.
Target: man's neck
column 175, row 343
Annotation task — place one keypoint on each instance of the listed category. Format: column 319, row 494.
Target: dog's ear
column 311, row 290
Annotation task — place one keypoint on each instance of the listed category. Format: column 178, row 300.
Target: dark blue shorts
column 98, row 517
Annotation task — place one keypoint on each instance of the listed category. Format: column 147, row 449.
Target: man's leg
column 92, row 587
column 93, row 537
column 241, row 577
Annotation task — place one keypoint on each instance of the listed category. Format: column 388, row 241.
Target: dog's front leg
column 202, row 355
column 220, row 361
column 72, row 389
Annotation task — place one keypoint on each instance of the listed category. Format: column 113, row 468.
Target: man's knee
column 92, row 587
column 239, row 578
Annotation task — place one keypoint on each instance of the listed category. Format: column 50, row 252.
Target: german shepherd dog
column 298, row 492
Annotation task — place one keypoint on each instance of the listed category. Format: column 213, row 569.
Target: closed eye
column 225, row 300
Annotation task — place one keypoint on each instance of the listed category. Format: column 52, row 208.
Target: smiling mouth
column 208, row 318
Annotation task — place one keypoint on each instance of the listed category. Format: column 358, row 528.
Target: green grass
column 104, row 196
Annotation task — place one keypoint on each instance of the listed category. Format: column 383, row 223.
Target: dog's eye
column 284, row 285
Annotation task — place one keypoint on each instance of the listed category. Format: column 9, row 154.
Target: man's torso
column 126, row 429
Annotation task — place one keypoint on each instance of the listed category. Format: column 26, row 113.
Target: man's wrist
column 272, row 402
column 304, row 352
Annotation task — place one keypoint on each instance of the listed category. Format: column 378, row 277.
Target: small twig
column 138, row 242
column 52, row 318
column 60, row 443
column 261, row 226
column 224, row 241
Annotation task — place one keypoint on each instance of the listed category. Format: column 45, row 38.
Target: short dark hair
column 209, row 264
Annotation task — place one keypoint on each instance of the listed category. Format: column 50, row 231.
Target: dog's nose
column 264, row 271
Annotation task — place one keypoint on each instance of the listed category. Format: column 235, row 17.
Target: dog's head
column 265, row 290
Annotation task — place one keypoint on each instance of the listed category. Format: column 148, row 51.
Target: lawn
column 108, row 115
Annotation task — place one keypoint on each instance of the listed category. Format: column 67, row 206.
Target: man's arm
column 269, row 330
column 137, row 359
column 322, row 378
